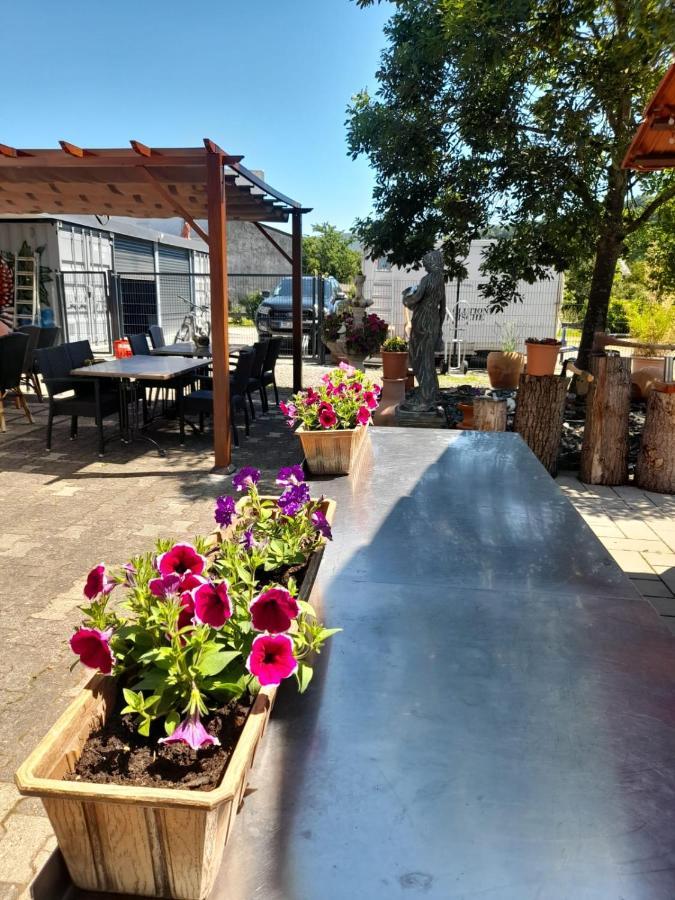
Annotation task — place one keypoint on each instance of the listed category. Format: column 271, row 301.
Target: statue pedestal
column 420, row 419
column 393, row 393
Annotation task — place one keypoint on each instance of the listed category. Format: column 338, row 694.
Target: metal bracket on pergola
column 145, row 182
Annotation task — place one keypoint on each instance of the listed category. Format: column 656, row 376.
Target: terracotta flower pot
column 332, row 452
column 637, row 363
column 504, row 369
column 542, row 358
column 466, row 410
column 394, row 363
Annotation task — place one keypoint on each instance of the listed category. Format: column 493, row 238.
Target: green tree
column 513, row 113
column 329, row 252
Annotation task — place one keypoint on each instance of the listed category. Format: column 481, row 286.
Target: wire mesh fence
column 101, row 306
column 467, row 317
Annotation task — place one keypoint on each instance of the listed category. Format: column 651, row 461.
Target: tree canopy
column 513, row 114
column 329, row 252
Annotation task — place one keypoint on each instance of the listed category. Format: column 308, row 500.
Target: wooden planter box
column 332, row 452
column 153, row 842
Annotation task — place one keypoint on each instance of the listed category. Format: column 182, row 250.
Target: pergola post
column 217, row 218
column 296, row 278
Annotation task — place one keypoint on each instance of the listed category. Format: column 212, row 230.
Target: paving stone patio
column 65, row 511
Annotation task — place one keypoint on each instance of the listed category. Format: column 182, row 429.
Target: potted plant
column 353, row 335
column 651, row 323
column 394, row 358
column 143, row 774
column 504, row 366
column 333, row 419
column 542, row 355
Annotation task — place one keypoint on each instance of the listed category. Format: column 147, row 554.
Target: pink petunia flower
column 363, row 415
column 93, row 648
column 356, row 386
column 187, row 611
column 97, row 582
column 288, row 409
column 212, row 604
column 191, row 732
column 370, row 399
column 327, row 417
column 179, row 560
column 273, row 610
column 271, row 658
column 347, row 369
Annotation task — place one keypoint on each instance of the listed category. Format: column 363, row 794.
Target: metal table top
column 187, row 348
column 146, row 368
column 496, row 720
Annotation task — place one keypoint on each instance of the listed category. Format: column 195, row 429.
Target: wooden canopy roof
column 138, row 181
column 653, row 146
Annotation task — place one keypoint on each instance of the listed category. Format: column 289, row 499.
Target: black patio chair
column 201, row 402
column 55, row 364
column 269, row 369
column 27, row 373
column 157, row 337
column 139, row 344
column 12, row 354
column 47, row 338
column 255, row 381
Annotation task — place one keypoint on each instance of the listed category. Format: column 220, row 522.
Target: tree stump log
column 604, row 452
column 489, row 414
column 540, row 406
column 656, row 460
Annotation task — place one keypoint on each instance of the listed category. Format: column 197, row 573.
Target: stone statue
column 427, row 302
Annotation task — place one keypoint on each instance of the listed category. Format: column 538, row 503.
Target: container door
column 135, row 268
column 176, row 291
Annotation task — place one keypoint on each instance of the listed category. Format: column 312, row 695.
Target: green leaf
column 151, row 680
column 306, row 608
column 171, row 722
column 228, row 688
column 304, row 676
column 144, row 727
column 214, row 661
column 325, row 633
column 134, row 700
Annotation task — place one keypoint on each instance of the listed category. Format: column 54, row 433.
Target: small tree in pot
column 504, row 366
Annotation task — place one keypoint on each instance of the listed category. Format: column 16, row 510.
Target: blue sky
column 266, row 78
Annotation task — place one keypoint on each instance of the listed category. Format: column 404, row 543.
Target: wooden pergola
column 653, row 147
column 144, row 182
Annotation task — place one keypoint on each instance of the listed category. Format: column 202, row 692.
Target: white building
column 477, row 328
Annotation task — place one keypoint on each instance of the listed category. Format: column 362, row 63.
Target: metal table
column 496, row 720
column 129, row 372
column 187, row 348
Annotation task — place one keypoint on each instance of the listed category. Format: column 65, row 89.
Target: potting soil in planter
column 118, row 754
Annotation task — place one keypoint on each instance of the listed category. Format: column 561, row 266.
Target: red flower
column 363, row 415
column 97, row 583
column 273, row 610
column 212, row 604
column 327, row 417
column 370, row 399
column 93, row 648
column 271, row 658
column 187, row 612
column 179, row 560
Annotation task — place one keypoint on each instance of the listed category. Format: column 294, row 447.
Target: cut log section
column 604, row 452
column 489, row 414
column 656, row 460
column 540, row 407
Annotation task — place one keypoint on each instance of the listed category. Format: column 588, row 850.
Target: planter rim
column 29, row 783
column 539, row 344
column 330, row 431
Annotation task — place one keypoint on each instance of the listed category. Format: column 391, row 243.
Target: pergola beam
column 274, row 243
column 172, row 201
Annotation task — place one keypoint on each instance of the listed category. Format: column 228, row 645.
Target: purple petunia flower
column 321, row 523
column 212, row 603
column 191, row 732
column 98, row 582
column 246, row 478
column 93, row 647
column 179, row 560
column 226, row 510
column 271, row 658
column 247, row 539
column 290, row 475
column 293, row 499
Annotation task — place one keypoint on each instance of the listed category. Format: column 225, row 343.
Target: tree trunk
column 604, row 453
column 656, row 459
column 489, row 414
column 608, row 250
column 540, row 407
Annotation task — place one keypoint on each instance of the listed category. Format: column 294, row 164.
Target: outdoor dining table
column 495, row 720
column 132, row 370
column 187, row 348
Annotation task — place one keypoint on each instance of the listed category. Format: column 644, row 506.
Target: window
column 383, row 265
